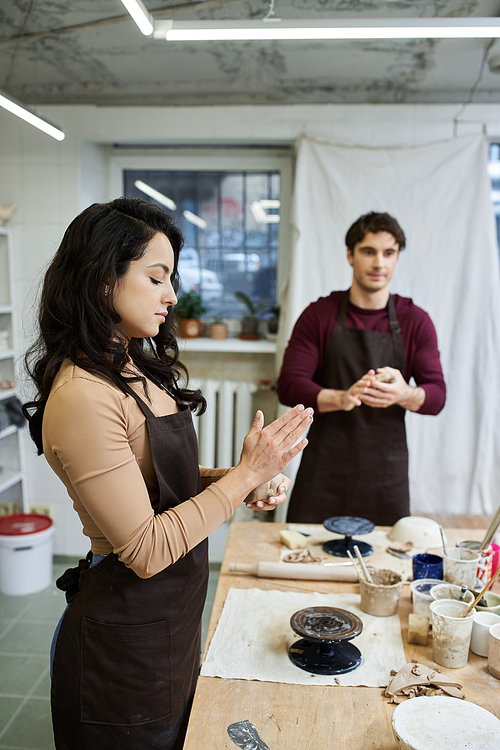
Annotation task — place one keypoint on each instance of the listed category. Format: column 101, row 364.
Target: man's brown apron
column 356, row 462
column 128, row 651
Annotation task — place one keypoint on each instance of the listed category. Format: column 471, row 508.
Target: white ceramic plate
column 443, row 723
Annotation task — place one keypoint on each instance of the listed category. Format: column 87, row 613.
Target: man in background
column 351, row 357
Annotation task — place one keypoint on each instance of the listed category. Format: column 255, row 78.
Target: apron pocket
column 125, row 673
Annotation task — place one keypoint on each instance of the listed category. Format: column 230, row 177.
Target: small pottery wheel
column 324, row 647
column 347, row 525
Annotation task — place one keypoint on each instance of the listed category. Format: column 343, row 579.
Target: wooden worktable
column 299, row 717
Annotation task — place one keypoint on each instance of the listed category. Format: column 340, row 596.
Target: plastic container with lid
column 421, row 595
column 25, row 553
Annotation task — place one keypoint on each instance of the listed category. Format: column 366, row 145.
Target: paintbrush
column 442, row 539
column 362, row 563
column 480, row 596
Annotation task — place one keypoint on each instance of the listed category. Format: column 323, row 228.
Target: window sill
column 230, row 345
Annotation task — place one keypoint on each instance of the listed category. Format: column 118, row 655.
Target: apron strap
column 397, row 338
column 141, row 404
column 343, row 308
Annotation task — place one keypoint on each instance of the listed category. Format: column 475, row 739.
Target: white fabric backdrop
column 440, row 194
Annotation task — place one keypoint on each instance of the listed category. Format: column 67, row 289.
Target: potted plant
column 249, row 322
column 218, row 329
column 188, row 310
column 272, row 322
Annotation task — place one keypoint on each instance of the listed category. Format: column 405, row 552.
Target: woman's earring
column 106, row 290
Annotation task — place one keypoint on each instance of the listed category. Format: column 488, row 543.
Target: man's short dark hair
column 374, row 223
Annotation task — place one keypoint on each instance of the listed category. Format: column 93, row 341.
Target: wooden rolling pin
column 343, row 571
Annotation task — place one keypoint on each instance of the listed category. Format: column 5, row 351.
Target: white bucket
column 25, row 553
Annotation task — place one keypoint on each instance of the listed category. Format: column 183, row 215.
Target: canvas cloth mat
column 253, row 636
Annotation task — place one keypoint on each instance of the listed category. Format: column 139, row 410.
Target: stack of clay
column 415, row 679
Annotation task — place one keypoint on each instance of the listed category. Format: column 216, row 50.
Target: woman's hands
column 269, row 450
column 270, row 494
column 266, row 452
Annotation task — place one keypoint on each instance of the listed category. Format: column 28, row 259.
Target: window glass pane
column 230, row 223
column 494, row 172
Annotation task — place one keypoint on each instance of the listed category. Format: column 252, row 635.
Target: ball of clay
column 385, row 376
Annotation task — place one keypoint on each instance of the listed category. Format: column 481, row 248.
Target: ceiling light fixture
column 259, row 211
column 194, row 219
column 374, row 28
column 155, row 195
column 28, row 115
column 141, row 15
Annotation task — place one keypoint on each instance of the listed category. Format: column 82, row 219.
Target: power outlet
column 42, row 510
column 7, row 509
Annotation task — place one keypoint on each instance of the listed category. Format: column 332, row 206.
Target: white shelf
column 11, row 481
column 6, row 309
column 7, row 354
column 7, row 393
column 8, row 431
column 230, row 345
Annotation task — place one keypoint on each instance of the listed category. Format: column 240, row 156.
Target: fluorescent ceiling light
column 259, row 213
column 374, row 28
column 141, row 16
column 196, row 220
column 22, row 111
column 159, row 197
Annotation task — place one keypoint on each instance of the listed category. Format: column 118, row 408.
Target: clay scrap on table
column 416, row 679
column 400, row 546
column 418, row 629
column 302, row 556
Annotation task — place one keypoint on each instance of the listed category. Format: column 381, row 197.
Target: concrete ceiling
column 105, row 60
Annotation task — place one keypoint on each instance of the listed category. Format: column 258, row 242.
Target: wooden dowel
column 495, row 523
column 355, row 566
column 479, row 596
column 362, row 563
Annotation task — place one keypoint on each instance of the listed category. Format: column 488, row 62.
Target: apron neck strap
column 391, row 309
column 141, row 404
column 393, row 320
column 343, row 308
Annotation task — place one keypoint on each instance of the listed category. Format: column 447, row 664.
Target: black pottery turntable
column 324, row 647
column 348, row 525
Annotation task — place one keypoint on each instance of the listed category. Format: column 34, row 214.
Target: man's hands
column 381, row 395
column 378, row 395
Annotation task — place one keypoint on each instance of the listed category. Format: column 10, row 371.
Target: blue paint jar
column 426, row 565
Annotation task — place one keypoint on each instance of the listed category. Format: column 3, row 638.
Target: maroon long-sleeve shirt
column 298, row 379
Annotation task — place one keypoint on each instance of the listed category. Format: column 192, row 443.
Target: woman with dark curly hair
column 114, row 421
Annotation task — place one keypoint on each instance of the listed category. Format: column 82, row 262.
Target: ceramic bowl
column 422, row 532
column 493, row 601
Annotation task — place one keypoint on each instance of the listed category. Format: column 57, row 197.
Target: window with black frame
column 230, row 222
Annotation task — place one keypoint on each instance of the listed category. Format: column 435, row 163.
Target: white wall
column 53, row 181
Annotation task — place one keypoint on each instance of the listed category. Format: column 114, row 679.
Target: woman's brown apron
column 356, row 462
column 128, row 651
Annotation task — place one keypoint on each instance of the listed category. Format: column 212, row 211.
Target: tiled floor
column 26, row 627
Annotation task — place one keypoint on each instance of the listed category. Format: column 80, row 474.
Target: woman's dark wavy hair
column 77, row 319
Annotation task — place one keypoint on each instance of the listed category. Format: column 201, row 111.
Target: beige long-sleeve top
column 96, row 441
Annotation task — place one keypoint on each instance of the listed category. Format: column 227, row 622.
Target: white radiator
column 228, row 418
